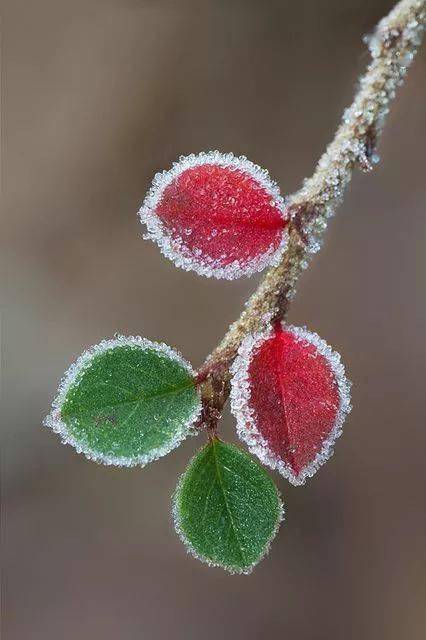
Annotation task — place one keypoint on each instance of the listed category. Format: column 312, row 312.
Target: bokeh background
column 97, row 96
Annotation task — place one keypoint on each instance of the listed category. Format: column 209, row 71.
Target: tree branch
column 392, row 46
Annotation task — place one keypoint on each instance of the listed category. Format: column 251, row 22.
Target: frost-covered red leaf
column 290, row 396
column 216, row 214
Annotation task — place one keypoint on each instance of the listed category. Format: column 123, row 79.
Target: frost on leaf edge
column 54, row 421
column 178, row 253
column 188, row 545
column 245, row 416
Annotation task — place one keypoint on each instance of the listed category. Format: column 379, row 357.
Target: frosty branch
column 128, row 401
column 392, row 47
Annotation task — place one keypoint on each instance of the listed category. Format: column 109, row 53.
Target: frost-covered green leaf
column 226, row 508
column 126, row 401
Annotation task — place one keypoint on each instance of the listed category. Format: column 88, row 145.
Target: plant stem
column 392, row 46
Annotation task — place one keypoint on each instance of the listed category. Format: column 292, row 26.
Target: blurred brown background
column 97, row 95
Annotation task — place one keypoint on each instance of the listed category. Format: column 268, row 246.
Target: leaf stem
column 392, row 46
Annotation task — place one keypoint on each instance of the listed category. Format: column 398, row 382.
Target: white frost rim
column 54, row 421
column 246, row 419
column 193, row 552
column 176, row 251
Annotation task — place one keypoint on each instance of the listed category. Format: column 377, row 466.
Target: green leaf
column 226, row 508
column 126, row 401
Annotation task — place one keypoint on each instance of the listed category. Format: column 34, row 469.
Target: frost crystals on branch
column 393, row 47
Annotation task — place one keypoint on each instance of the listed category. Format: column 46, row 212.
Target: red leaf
column 290, row 397
column 216, row 214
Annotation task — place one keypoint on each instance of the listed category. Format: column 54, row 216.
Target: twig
column 392, row 47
